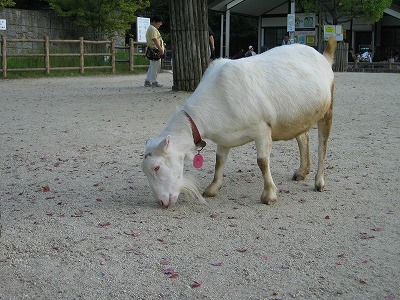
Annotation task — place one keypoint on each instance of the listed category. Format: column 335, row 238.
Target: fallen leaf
column 46, row 189
column 389, row 297
column 165, row 262
column 174, row 275
column 216, row 264
column 378, row 229
column 265, row 257
column 103, row 224
column 98, row 200
column 342, row 255
column 58, row 249
column 195, row 284
column 241, row 250
column 327, row 217
column 362, row 281
column 285, row 267
column 168, row 270
column 133, row 233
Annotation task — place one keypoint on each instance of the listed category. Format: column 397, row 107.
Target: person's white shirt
column 366, row 56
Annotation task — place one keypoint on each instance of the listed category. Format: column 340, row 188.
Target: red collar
column 195, row 132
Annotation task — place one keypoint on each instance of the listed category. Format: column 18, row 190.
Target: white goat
column 276, row 95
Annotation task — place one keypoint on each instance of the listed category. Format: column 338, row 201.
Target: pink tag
column 198, row 161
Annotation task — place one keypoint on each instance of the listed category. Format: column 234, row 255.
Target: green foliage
column 6, row 3
column 100, row 16
column 342, row 10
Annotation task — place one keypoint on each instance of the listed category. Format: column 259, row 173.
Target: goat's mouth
column 169, row 202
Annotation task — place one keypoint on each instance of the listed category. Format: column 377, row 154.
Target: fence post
column 82, row 55
column 113, row 56
column 4, row 55
column 47, row 54
column 131, row 53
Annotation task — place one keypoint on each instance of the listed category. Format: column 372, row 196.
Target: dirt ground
column 78, row 220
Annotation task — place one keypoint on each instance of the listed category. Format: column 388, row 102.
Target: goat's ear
column 164, row 144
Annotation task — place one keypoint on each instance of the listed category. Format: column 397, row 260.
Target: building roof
column 254, row 8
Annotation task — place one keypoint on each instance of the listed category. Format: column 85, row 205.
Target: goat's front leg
column 264, row 147
column 221, row 157
column 303, row 142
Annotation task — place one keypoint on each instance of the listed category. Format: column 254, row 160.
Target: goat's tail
column 329, row 51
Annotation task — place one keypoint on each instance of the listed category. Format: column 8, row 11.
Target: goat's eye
column 157, row 168
column 147, row 155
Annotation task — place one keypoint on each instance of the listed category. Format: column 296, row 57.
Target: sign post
column 3, row 24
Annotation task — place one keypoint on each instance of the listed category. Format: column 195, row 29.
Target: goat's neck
column 179, row 129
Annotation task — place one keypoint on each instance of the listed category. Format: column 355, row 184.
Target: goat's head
column 163, row 167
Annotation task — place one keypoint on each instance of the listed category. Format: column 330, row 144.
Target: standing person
column 286, row 40
column 250, row 52
column 212, row 43
column 154, row 41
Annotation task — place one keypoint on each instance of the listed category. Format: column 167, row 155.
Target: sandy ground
column 79, row 220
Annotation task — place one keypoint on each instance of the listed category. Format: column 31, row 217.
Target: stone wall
column 36, row 24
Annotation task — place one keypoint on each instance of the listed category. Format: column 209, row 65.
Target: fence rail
column 46, row 53
column 389, row 67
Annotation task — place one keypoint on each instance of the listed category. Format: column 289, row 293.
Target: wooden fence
column 47, row 52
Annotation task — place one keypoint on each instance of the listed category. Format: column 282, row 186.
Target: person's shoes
column 147, row 83
column 156, row 84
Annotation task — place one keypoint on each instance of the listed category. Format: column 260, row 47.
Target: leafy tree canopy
column 344, row 10
column 100, row 16
column 6, row 3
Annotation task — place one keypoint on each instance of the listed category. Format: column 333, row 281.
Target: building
column 383, row 37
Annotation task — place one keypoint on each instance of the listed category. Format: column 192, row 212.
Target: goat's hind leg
column 303, row 142
column 324, row 129
column 221, row 157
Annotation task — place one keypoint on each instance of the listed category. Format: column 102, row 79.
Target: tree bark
column 189, row 36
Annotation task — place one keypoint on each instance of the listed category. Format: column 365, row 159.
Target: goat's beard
column 191, row 190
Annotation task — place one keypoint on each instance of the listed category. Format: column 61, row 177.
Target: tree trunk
column 189, row 36
column 341, row 63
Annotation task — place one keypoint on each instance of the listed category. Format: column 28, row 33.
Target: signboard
column 3, row 24
column 291, row 21
column 305, row 21
column 337, row 30
column 141, row 27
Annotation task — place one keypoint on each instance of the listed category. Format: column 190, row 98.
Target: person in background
column 154, row 41
column 286, row 39
column 212, row 42
column 367, row 56
column 350, row 55
column 250, row 52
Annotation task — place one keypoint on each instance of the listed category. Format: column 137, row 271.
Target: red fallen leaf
column 57, row 164
column 241, row 250
column 265, row 257
column 378, row 229
column 98, row 200
column 174, row 275
column 327, row 217
column 103, row 224
column 341, row 255
column 60, row 203
column 165, row 262
column 195, row 284
column 46, row 189
column 389, row 297
column 365, row 260
column 49, row 214
column 339, row 264
column 61, row 215
column 168, row 270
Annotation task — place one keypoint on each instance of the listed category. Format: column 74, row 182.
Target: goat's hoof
column 269, row 200
column 298, row 176
column 319, row 188
column 209, row 193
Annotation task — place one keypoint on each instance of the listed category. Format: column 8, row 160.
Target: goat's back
column 285, row 85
